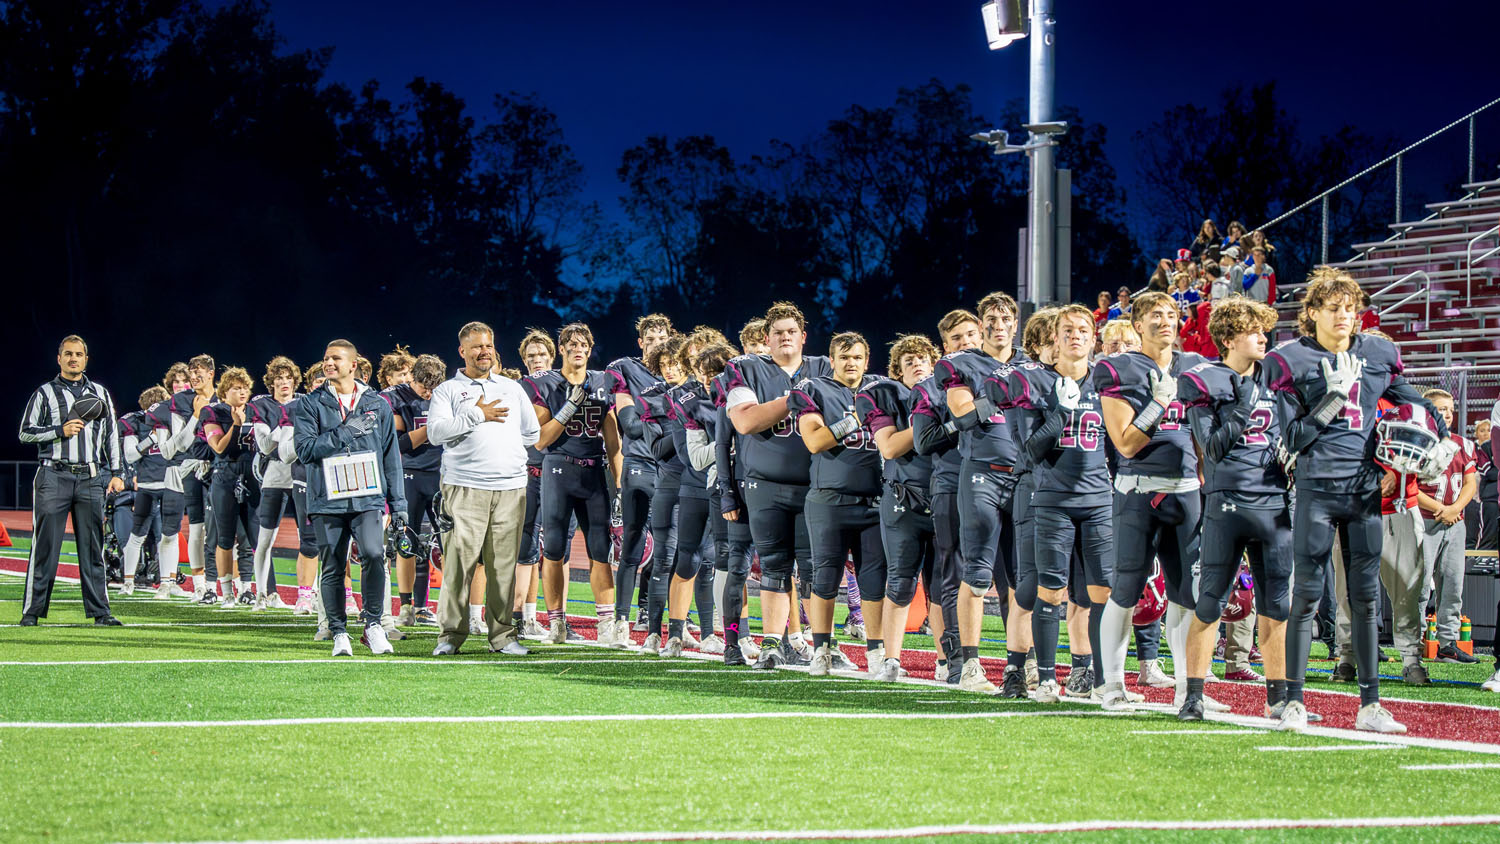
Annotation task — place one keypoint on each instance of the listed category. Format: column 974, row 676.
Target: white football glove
column 1067, row 393
column 1163, row 388
column 1437, row 460
column 1341, row 373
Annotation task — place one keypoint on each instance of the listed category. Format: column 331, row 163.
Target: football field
column 196, row 724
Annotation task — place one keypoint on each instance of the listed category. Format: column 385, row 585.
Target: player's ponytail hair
column 910, row 344
column 1326, row 286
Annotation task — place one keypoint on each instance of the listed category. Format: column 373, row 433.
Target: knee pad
column 1026, row 595
column 1208, row 610
column 977, row 590
column 684, row 567
column 1274, row 610
column 804, row 589
column 901, row 589
column 826, row 580
column 780, row 584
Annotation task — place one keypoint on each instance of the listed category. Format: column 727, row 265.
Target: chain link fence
column 1475, row 389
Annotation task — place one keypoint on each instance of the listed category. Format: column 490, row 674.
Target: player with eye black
column 658, row 426
column 1059, row 413
column 1157, row 505
column 580, row 440
column 1246, row 510
column 1327, row 384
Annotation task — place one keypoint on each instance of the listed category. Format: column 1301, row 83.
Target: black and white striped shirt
column 96, row 446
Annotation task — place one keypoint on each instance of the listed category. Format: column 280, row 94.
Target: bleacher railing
column 1474, row 388
column 15, row 484
column 1396, row 158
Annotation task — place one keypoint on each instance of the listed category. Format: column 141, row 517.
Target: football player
column 151, row 493
column 754, row 339
column 538, row 354
column 1061, row 419
column 735, row 558
column 777, row 465
column 885, row 407
column 935, row 434
column 842, row 505
column 1157, row 507
column 1327, row 383
column 1246, row 510
column 986, row 488
column 227, row 428
column 271, row 424
column 395, row 367
column 657, row 427
column 631, row 377
column 175, row 425
column 579, row 434
column 420, row 464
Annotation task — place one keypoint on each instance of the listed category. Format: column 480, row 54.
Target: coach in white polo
column 484, row 422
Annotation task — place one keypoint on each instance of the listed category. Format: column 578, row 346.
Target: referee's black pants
column 55, row 496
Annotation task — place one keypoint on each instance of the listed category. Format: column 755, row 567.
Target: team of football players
column 1053, row 473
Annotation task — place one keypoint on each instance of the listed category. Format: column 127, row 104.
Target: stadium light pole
column 1007, row 21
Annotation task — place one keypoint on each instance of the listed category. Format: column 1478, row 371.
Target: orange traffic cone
column 918, row 612
column 5, row 537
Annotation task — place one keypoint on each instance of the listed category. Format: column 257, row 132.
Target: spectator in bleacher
column 1184, row 262
column 1234, row 235
column 1101, row 313
column 1215, row 283
column 1194, row 334
column 1208, row 241
column 1184, row 292
column 1259, row 282
column 1483, row 516
column 1161, row 280
column 1258, row 238
column 1231, row 271
column 1369, row 319
column 1442, row 503
column 1121, row 308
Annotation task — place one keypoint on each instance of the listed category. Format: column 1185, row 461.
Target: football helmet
column 1242, row 599
column 1153, row 603
column 1406, row 438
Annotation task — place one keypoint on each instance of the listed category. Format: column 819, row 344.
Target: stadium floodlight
column 1004, row 21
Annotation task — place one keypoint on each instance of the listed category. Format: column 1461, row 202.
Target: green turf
column 453, row 779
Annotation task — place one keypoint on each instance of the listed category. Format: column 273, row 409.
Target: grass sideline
column 995, row 763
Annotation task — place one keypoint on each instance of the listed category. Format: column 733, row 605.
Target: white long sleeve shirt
column 476, row 453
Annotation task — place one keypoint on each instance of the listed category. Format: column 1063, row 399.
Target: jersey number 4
column 1352, row 412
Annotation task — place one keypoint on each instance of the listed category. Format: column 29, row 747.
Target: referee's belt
column 71, row 468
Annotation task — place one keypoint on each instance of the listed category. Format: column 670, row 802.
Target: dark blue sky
column 748, row 72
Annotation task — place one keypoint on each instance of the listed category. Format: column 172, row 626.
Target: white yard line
column 1197, row 732
column 1323, row 747
column 1457, row 766
column 363, row 661
column 916, row 831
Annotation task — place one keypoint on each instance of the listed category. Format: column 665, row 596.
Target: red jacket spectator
column 1195, row 336
column 1369, row 319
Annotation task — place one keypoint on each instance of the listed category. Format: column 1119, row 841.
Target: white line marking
column 1197, row 732
column 498, row 661
column 534, row 719
column 879, row 691
column 916, row 831
column 1286, row 749
column 1457, row 766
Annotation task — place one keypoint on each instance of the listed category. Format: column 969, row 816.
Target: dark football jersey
column 243, row 444
column 887, row 404
column 1170, row 452
column 656, row 412
column 931, row 401
column 152, row 467
column 693, row 409
column 776, row 454
column 181, row 405
column 583, row 435
column 1073, row 468
column 991, row 441
column 1344, row 451
column 1245, row 465
column 631, row 377
column 853, row 466
column 412, row 409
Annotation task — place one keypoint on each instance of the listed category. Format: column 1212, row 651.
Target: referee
column 78, row 449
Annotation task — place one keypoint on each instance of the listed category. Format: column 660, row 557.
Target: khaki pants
column 486, row 530
column 1239, row 639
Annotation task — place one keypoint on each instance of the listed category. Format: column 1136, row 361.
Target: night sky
column 750, row 72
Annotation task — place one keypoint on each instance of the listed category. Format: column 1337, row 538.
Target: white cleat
column 304, row 606
column 557, row 633
column 476, row 626
column 1047, row 691
column 128, row 587
column 673, row 648
column 274, row 602
column 341, row 646
column 1032, row 678
column 711, row 644
column 260, row 605
column 604, row 631
column 1152, row 675
column 822, row 662
column 1375, row 718
column 351, row 609
column 973, row 680
column 1492, row 684
column 855, row 631
column 749, row 648
column 890, row 671
column 652, row 645
column 406, row 616
column 1209, row 704
column 690, row 641
column 376, row 639
column 1293, row 717
column 875, row 661
column 1115, row 697
column 530, row 629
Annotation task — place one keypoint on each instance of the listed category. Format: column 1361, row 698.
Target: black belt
column 588, row 462
column 70, row 468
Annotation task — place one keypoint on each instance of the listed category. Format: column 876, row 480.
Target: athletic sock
column 166, row 556
column 675, row 627
column 1096, row 618
column 476, row 612
column 1114, row 641
column 1195, row 688
column 1275, row 692
column 195, row 545
column 971, row 652
column 554, row 616
column 200, row 582
column 732, row 633
column 1294, row 691
column 421, row 588
column 263, row 568
column 1014, row 659
column 528, row 612
column 1082, row 661
column 405, row 598
column 1045, row 620
column 133, row 547
column 604, row 612
column 1175, row 629
column 515, row 619
column 872, row 644
column 226, row 587
column 821, row 639
column 1369, row 693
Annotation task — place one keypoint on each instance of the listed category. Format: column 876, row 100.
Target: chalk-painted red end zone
column 1453, row 722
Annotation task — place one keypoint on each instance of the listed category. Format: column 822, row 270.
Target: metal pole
column 1398, row 189
column 1324, row 259
column 1471, row 148
column 1043, row 207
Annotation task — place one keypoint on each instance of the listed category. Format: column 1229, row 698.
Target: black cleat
column 28, row 621
column 1343, row 673
column 955, row 670
column 108, row 621
column 770, row 659
column 1192, row 710
column 789, row 655
column 1014, row 684
column 733, row 655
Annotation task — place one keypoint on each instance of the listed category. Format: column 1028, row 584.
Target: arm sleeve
column 630, row 421
column 35, row 427
column 701, row 451
column 1044, row 439
column 265, row 440
column 179, row 442
column 724, row 460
